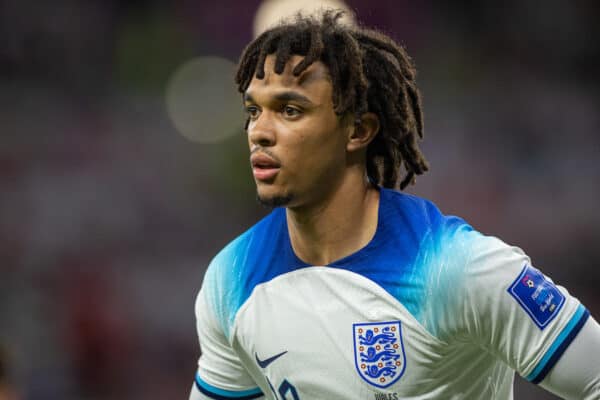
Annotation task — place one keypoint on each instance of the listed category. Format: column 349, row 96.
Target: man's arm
column 535, row 326
column 220, row 374
column 576, row 375
column 203, row 391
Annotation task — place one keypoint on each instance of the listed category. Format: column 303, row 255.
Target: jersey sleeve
column 514, row 311
column 220, row 373
column 577, row 374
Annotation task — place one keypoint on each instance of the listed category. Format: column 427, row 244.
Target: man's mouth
column 264, row 168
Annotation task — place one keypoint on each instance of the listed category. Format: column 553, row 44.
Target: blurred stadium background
column 124, row 169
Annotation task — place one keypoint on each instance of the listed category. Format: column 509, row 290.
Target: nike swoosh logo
column 265, row 363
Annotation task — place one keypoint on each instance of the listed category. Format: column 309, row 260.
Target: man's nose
column 261, row 132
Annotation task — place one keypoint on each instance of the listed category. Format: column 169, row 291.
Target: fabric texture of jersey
column 428, row 309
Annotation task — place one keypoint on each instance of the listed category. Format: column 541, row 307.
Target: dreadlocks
column 369, row 73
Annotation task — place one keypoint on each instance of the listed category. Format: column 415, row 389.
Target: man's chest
column 333, row 334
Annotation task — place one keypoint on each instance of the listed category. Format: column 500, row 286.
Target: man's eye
column 291, row 111
column 252, row 112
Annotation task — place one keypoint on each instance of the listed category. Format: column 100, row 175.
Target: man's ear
column 363, row 132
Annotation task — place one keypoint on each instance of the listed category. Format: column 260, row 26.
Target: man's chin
column 274, row 200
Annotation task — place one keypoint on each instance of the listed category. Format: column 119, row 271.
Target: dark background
column 109, row 215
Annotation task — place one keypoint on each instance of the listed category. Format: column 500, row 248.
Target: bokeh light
column 202, row 100
column 272, row 12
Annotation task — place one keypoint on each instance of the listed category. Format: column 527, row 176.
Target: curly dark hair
column 369, row 73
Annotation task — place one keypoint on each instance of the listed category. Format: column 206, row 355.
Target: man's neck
column 340, row 225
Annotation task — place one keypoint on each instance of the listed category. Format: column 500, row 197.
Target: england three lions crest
column 379, row 352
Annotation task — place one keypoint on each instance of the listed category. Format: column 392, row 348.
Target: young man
column 352, row 290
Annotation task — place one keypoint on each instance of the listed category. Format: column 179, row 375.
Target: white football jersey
column 428, row 309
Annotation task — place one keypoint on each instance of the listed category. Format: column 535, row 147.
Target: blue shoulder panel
column 415, row 249
column 258, row 255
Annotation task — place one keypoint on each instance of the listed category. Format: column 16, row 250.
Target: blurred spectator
column 7, row 390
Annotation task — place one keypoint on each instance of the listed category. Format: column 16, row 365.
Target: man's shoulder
column 420, row 214
column 241, row 265
column 447, row 241
column 260, row 237
column 446, row 230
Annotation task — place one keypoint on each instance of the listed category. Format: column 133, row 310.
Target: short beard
column 273, row 202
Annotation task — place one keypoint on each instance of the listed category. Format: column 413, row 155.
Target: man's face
column 297, row 142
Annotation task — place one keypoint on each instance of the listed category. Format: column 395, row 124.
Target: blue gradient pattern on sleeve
column 418, row 255
column 258, row 255
column 442, row 261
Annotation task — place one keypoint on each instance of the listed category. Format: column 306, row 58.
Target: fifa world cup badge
column 537, row 295
column 379, row 352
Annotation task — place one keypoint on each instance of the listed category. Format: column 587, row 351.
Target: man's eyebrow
column 292, row 96
column 248, row 98
column 283, row 97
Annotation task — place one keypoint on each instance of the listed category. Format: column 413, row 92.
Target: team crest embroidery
column 379, row 352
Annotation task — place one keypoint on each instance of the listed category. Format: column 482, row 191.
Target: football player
column 350, row 289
